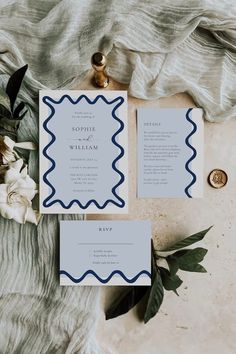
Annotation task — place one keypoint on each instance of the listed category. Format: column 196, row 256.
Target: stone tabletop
column 202, row 318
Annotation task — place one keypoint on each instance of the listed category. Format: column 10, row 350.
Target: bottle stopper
column 99, row 62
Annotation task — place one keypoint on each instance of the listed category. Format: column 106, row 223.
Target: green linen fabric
column 158, row 47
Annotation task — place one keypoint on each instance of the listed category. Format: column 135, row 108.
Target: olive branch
column 176, row 257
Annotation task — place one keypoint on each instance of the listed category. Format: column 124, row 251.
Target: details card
column 83, row 152
column 170, row 153
column 105, row 253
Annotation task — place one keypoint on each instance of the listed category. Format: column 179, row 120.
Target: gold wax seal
column 218, row 178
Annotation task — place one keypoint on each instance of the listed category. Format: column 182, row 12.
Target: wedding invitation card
column 83, row 152
column 105, row 253
column 170, row 152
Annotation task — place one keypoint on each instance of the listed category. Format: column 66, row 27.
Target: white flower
column 7, row 154
column 16, row 194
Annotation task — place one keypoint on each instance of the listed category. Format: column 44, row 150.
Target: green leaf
column 170, row 282
column 155, row 299
column 18, row 109
column 198, row 268
column 180, row 253
column 191, row 256
column 22, row 115
column 9, row 127
column 188, row 259
column 14, row 84
column 126, row 301
column 188, row 241
column 4, row 112
column 173, row 264
column 156, row 293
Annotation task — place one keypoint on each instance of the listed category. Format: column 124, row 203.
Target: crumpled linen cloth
column 159, row 48
column 36, row 314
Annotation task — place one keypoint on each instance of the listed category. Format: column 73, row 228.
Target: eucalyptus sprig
column 10, row 114
column 162, row 278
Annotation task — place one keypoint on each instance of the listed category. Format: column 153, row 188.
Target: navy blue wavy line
column 46, row 202
column 194, row 178
column 106, row 280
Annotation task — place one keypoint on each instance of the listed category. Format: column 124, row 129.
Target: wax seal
column 218, row 178
column 99, row 62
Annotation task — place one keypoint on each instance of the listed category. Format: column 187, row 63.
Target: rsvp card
column 105, row 253
column 83, row 152
column 170, row 153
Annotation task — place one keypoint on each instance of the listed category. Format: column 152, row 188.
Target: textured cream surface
column 202, row 318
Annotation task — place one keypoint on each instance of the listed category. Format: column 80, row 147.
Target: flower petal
column 7, row 211
column 20, row 212
column 13, row 173
column 32, row 216
column 3, row 193
column 24, row 172
column 16, row 194
column 17, row 165
column 25, row 187
column 9, row 142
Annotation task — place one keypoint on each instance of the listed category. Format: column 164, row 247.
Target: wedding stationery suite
column 84, row 152
column 170, row 152
column 105, row 253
